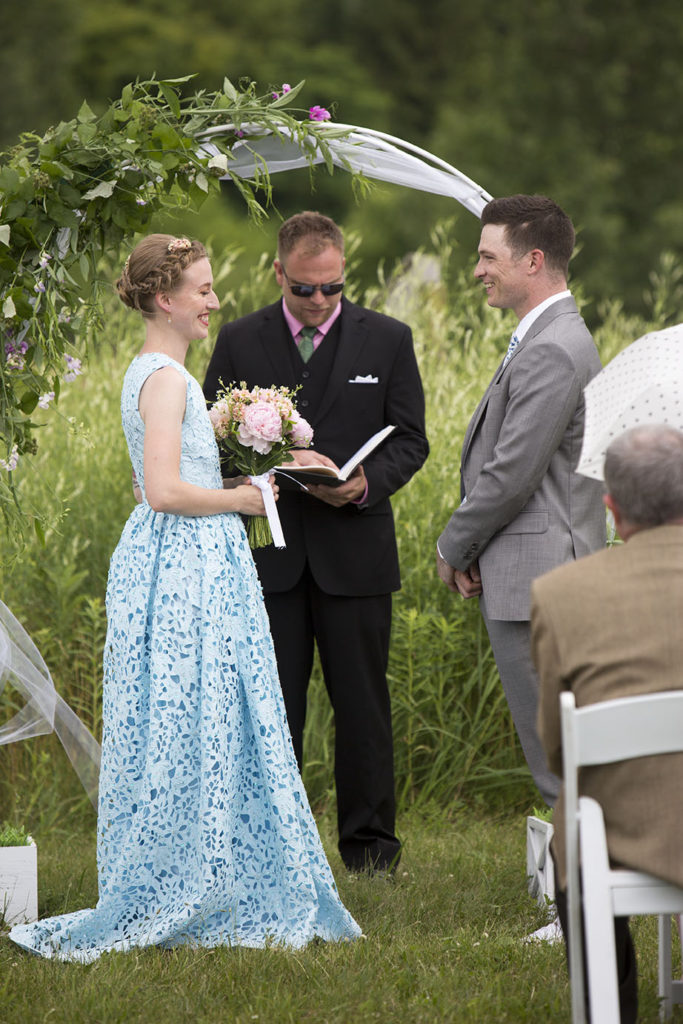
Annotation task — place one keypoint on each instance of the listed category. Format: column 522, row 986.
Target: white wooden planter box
column 18, row 884
column 539, row 863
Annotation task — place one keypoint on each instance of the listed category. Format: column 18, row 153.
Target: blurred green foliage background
column 580, row 99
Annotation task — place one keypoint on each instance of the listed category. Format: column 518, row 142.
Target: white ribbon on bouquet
column 262, row 481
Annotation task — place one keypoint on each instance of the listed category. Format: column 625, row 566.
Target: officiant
column 356, row 372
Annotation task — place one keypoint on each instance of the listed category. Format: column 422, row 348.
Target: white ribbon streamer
column 262, row 481
column 375, row 154
column 22, row 666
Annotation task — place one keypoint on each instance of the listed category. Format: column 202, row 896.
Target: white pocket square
column 363, row 380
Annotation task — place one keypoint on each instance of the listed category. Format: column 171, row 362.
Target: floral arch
column 79, row 190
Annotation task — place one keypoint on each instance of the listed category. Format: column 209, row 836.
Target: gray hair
column 644, row 474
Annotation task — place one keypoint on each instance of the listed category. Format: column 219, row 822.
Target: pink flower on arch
column 318, row 114
column 286, row 87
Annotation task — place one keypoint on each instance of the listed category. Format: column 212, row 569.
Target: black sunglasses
column 304, row 291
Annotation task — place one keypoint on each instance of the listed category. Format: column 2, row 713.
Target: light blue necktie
column 306, row 344
column 514, row 342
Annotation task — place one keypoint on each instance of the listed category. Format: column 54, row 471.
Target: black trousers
column 352, row 635
column 626, row 960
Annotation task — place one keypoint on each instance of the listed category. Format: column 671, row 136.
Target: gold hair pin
column 179, row 245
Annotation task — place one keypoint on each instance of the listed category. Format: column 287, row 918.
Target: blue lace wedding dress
column 205, row 835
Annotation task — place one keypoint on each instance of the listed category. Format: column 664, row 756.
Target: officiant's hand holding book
column 302, row 475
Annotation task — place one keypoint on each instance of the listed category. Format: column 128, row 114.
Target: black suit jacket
column 351, row 550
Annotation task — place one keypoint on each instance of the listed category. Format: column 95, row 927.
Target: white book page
column 316, row 473
column 369, row 446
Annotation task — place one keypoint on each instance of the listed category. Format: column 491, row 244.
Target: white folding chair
column 604, row 733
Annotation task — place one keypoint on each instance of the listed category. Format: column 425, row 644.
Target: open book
column 290, row 474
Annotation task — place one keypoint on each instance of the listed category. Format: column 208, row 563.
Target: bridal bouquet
column 256, row 430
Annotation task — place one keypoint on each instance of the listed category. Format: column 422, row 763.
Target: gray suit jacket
column 609, row 626
column 527, row 511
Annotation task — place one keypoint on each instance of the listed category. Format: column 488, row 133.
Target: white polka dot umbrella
column 642, row 385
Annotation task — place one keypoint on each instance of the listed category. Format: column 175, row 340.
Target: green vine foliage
column 71, row 196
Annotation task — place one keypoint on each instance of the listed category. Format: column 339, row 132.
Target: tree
column 71, row 195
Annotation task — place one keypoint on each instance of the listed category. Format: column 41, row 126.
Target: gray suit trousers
column 511, row 646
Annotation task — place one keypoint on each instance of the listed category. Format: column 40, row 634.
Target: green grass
column 442, row 943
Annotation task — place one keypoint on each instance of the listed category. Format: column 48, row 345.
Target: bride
column 204, row 835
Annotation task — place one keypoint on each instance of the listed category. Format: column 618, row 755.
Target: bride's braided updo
column 156, row 265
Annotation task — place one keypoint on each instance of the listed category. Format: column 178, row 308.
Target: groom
column 332, row 584
column 524, row 509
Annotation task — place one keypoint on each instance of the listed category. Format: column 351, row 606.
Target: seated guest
column 609, row 626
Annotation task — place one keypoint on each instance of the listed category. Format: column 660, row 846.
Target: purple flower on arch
column 14, row 354
column 10, row 464
column 73, row 368
column 318, row 113
column 44, row 400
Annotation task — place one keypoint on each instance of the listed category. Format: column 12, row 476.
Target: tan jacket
column 611, row 625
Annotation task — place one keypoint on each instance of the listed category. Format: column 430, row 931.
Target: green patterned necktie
column 306, row 344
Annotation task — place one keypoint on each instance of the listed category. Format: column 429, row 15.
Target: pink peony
column 219, row 414
column 216, row 417
column 260, row 427
column 302, row 431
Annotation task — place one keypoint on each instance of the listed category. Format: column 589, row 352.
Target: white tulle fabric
column 23, row 670
column 205, row 835
column 375, row 154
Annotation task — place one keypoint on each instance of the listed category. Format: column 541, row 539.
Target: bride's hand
column 250, row 499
